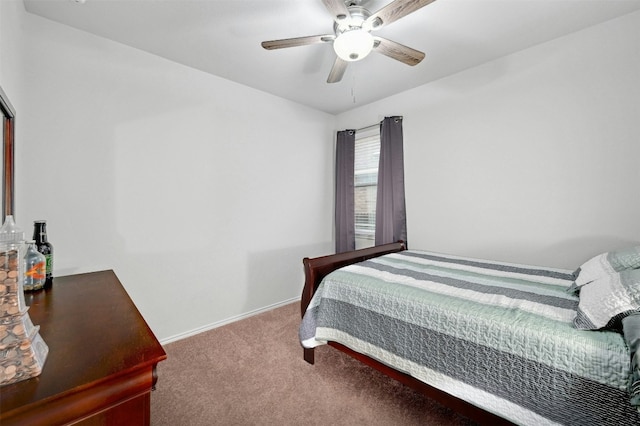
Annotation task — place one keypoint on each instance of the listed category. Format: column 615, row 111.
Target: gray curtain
column 345, row 210
column 391, row 216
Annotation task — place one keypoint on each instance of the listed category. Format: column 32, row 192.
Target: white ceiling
column 222, row 37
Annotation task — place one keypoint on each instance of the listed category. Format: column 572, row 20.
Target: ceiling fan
column 352, row 39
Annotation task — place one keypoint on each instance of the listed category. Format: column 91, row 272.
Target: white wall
column 10, row 47
column 162, row 172
column 531, row 158
column 194, row 189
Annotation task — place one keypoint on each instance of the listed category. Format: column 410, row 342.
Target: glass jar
column 35, row 268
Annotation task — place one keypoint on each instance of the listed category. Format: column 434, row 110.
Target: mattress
column 498, row 335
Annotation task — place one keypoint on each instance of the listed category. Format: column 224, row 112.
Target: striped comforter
column 498, row 335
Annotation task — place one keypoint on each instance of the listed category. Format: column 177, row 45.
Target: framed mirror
column 8, row 138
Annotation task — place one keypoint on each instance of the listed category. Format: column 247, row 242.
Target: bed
column 498, row 342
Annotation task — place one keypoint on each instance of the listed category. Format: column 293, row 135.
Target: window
column 367, row 154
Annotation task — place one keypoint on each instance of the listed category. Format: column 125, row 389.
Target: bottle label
column 49, row 267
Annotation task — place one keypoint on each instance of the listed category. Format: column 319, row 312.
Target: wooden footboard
column 317, row 268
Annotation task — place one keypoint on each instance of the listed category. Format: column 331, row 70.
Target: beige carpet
column 251, row 372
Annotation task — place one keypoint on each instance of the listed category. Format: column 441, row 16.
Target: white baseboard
column 208, row 327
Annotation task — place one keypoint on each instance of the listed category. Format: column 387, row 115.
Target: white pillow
column 606, row 264
column 606, row 300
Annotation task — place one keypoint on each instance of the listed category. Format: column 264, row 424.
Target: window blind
column 367, row 154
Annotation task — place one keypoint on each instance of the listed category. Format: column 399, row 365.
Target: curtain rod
column 373, row 126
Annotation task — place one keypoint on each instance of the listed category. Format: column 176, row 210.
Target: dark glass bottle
column 44, row 247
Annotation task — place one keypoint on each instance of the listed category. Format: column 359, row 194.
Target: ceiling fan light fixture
column 353, row 45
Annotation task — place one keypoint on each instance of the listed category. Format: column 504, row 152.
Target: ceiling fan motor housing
column 353, row 42
column 358, row 15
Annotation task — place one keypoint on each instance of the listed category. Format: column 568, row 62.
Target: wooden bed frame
column 316, row 269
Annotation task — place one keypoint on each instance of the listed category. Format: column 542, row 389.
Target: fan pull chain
column 353, row 89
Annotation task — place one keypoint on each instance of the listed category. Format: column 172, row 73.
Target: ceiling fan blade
column 338, row 9
column 298, row 41
column 393, row 11
column 397, row 51
column 337, row 71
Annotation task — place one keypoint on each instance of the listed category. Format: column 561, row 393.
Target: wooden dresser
column 102, row 357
